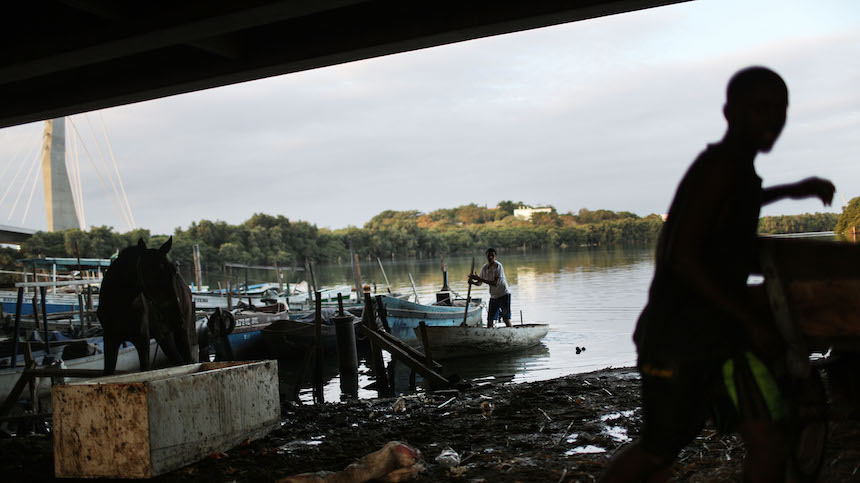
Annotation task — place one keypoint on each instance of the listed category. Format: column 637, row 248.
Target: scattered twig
column 606, row 390
column 563, row 474
column 564, row 435
column 446, row 402
column 544, row 414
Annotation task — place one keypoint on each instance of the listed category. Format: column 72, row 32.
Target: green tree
column 508, row 206
column 850, row 216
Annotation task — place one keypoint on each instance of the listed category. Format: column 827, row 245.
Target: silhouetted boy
column 697, row 339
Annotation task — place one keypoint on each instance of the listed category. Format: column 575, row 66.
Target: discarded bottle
column 448, row 458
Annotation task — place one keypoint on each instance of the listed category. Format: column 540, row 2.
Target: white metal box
column 146, row 424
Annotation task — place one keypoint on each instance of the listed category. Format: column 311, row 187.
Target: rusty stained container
column 146, row 424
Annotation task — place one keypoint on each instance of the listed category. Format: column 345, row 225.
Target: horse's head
column 165, row 289
column 161, row 284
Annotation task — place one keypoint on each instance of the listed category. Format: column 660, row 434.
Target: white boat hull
column 127, row 360
column 457, row 341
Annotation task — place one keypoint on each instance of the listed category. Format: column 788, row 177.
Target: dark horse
column 143, row 295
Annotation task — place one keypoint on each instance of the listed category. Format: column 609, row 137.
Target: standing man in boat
column 493, row 274
column 702, row 341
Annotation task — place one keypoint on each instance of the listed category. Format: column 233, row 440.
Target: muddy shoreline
column 562, row 429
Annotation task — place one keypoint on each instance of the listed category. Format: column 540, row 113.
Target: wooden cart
column 813, row 290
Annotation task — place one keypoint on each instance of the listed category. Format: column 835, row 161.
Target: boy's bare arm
column 810, row 187
column 478, row 280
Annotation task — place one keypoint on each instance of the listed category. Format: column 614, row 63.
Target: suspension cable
column 14, row 159
column 107, row 168
column 30, row 198
column 116, row 168
column 12, row 182
column 23, row 185
column 104, row 185
column 79, row 186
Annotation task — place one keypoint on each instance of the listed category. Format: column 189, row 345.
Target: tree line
column 275, row 240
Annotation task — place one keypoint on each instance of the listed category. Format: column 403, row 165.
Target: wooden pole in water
column 42, row 291
column 308, row 282
column 358, row 273
column 468, row 294
column 377, row 363
column 89, row 306
column 314, row 278
column 355, row 277
column 425, row 342
column 415, row 292
column 383, row 274
column 80, row 307
column 198, row 267
column 318, row 367
column 246, row 287
column 229, row 296
column 383, row 316
column 346, row 351
column 18, row 306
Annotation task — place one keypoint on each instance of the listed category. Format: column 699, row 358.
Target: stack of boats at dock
column 250, row 331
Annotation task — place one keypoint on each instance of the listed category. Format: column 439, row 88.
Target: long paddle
column 383, row 274
column 469, row 294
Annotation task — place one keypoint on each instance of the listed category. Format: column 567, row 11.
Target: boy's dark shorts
column 501, row 304
column 676, row 401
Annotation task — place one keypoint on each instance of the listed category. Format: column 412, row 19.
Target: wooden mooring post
column 400, row 351
column 346, row 351
column 318, row 351
column 18, row 306
column 42, row 291
column 377, row 363
column 89, row 306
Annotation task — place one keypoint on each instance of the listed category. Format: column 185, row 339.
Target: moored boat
column 127, row 360
column 403, row 316
column 289, row 338
column 456, row 341
column 246, row 339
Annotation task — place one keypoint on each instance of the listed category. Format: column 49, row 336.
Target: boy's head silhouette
column 756, row 102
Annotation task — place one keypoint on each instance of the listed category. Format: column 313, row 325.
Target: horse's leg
column 111, row 352
column 141, row 343
column 140, row 337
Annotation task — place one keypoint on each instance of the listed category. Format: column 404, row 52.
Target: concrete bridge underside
column 61, row 57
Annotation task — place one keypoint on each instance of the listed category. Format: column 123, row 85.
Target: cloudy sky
column 604, row 113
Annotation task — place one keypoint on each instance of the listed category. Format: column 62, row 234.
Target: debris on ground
column 394, row 462
column 559, row 430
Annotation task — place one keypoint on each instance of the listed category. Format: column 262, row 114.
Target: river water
column 590, row 297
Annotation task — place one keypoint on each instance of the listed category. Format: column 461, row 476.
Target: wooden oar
column 413, row 287
column 469, row 293
column 383, row 274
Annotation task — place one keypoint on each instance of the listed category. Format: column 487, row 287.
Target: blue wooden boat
column 59, row 302
column 246, row 340
column 403, row 316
